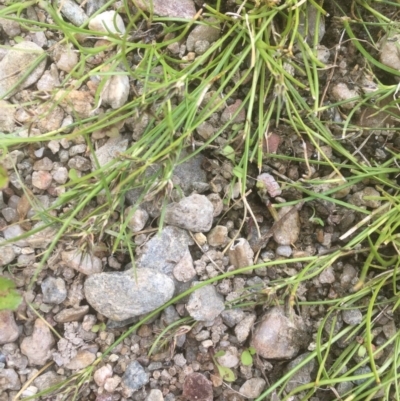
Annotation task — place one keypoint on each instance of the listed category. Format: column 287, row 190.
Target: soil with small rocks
column 82, row 302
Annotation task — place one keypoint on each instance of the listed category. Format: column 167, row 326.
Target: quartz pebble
column 102, row 374
column 155, row 395
column 138, row 219
column 108, row 22
column 359, row 198
column 81, row 360
column 72, row 12
column 41, row 179
column 243, row 328
column 288, row 231
column 116, row 91
column 252, row 388
column 218, row 236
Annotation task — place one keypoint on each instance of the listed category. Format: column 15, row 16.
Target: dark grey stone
column 135, row 376
column 54, row 290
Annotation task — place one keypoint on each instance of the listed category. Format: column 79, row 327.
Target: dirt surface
column 58, row 330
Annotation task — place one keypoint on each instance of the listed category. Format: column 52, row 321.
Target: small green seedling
column 247, row 356
column 9, row 297
column 225, row 373
column 316, row 220
column 99, row 327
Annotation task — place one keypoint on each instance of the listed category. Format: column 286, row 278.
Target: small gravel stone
column 197, row 387
column 10, row 28
column 7, row 254
column 7, row 113
column 75, row 102
column 79, row 163
column 135, row 376
column 194, row 213
column 102, row 374
column 81, row 360
column 243, row 328
column 109, row 151
column 241, row 255
column 47, row 380
column 138, row 220
column 276, row 336
column 228, row 113
column 41, row 179
column 112, row 383
column 358, row 198
column 252, row 388
column 181, row 9
column 352, row 316
column 120, row 296
column 15, row 64
column 179, row 360
column 37, row 347
column 9, row 380
column 14, row 231
column 83, row 263
column 205, row 304
column 389, row 51
column 288, row 231
column 72, row 12
column 209, row 32
column 184, row 270
column 341, row 92
column 44, row 164
column 71, row 314
column 348, row 275
column 155, row 395
column 231, row 317
column 229, row 359
column 218, row 236
column 327, row 276
column 8, row 328
column 108, row 22
column 60, row 175
column 284, row 250
column 303, row 375
column 54, row 290
column 49, row 80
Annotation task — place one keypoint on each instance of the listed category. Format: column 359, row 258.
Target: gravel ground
column 90, row 298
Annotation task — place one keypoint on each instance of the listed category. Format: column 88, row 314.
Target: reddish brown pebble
column 197, row 387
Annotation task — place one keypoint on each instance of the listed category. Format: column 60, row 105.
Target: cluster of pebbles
column 82, row 302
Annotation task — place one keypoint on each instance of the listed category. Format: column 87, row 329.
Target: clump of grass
column 281, row 87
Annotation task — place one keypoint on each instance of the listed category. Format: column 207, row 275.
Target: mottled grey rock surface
column 54, row 290
column 8, row 328
column 194, row 213
column 120, row 296
column 135, row 376
column 205, row 304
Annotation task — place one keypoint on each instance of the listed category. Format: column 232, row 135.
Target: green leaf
column 229, row 153
column 219, row 353
column 9, row 297
column 73, row 175
column 246, row 358
column 3, row 177
column 226, row 373
column 238, row 172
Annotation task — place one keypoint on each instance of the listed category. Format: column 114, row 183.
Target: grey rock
column 47, row 380
column 288, row 231
column 216, row 201
column 252, row 388
column 7, row 254
column 8, row 328
column 42, row 238
column 189, row 173
column 358, row 198
column 344, row 387
column 72, row 314
column 135, row 376
column 107, row 21
column 15, row 231
column 164, row 250
column 184, row 270
column 209, row 31
column 243, row 328
column 93, row 5
column 178, row 9
column 66, row 59
column 303, row 375
column 15, row 64
column 352, row 316
column 308, row 23
column 10, row 28
column 240, row 254
column 388, row 54
column 83, row 263
column 341, row 92
column 155, row 395
column 194, row 213
column 54, row 290
column 284, row 250
column 205, row 304
column 9, row 380
column 49, row 80
column 109, row 151
column 277, row 336
column 10, row 215
column 348, row 275
column 361, row 371
column 120, row 296
column 41, row 179
column 231, row 317
column 72, row 12
column 37, row 347
column 327, row 276
column 7, row 112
